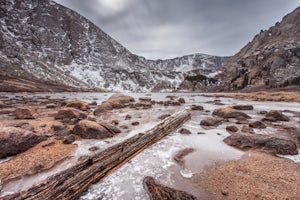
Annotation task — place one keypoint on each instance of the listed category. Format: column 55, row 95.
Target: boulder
column 25, row 113
column 185, row 131
column 211, row 122
column 91, row 130
column 196, row 107
column 275, row 115
column 51, row 105
column 230, row 113
column 128, row 117
column 16, row 140
column 273, row 144
column 135, row 123
column 243, row 107
column 157, row 191
column 69, row 139
column 116, row 101
column 70, row 115
column 257, row 124
column 232, row 129
column 181, row 100
column 81, row 105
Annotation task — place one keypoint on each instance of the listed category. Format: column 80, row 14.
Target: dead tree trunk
column 71, row 182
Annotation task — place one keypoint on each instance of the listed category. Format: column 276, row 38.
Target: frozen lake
column 157, row 161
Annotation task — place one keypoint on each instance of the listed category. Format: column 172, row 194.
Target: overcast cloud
column 170, row 28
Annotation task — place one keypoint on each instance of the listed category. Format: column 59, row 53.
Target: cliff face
column 270, row 60
column 45, row 46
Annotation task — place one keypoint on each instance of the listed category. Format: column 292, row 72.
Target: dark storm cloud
column 170, row 28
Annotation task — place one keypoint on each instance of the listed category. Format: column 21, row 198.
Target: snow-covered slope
column 46, row 42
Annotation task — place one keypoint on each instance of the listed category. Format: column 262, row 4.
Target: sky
column 160, row 29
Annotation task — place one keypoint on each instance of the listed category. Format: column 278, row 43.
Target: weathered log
column 71, row 182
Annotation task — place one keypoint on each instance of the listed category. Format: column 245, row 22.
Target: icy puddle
column 157, row 161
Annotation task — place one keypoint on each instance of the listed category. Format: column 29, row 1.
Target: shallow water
column 157, row 161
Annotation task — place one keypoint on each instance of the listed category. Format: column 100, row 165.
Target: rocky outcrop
column 273, row 144
column 270, row 60
column 16, row 140
column 157, row 191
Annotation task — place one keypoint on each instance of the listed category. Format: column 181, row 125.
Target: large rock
column 81, row 105
column 257, row 124
column 211, row 122
column 92, row 130
column 116, row 101
column 273, row 144
column 230, row 113
column 16, row 140
column 70, row 115
column 160, row 192
column 275, row 115
column 25, row 113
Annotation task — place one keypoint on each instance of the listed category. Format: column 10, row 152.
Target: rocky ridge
column 45, row 44
column 270, row 60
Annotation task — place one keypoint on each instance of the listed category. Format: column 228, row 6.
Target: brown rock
column 276, row 145
column 185, row 131
column 16, row 140
column 181, row 100
column 243, row 107
column 230, row 113
column 69, row 139
column 135, row 123
column 128, row 117
column 181, row 154
column 172, row 103
column 81, row 105
column 115, row 122
column 25, row 113
column 257, row 124
column 232, row 129
column 147, row 99
column 196, row 107
column 211, row 122
column 93, row 148
column 247, row 129
column 275, row 115
column 124, row 127
column 70, row 115
column 51, row 105
column 160, row 192
column 116, row 101
column 91, row 130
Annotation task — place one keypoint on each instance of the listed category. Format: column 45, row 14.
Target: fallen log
column 71, row 182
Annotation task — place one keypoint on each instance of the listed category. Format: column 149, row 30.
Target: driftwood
column 71, row 182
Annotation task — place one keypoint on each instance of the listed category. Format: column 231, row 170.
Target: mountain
column 270, row 60
column 47, row 47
